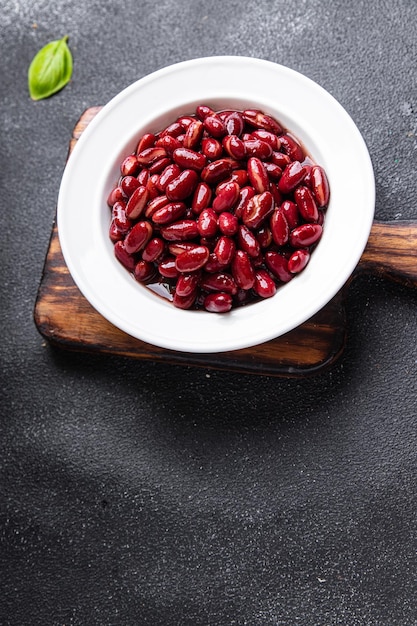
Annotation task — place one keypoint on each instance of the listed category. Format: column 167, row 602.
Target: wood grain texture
column 66, row 319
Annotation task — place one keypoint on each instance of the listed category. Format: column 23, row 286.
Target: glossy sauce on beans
column 218, row 209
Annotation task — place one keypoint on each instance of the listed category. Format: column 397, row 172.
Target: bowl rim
column 318, row 120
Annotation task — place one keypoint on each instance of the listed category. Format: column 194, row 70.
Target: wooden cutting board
column 65, row 318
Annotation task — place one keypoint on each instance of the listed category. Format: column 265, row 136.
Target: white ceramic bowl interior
column 307, row 110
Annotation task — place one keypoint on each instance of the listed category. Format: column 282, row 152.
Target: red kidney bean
column 290, row 210
column 306, row 204
column 126, row 258
column 216, row 171
column 218, row 302
column 245, row 194
column 189, row 159
column 193, row 134
column 234, row 147
column 153, row 250
column 169, row 213
column 144, row 271
column 279, row 228
column 180, row 231
column 291, row 147
column 292, row 176
column 247, row 241
column 278, row 265
column 242, row 270
column 192, row 260
column 258, row 176
column 137, row 202
column 187, row 284
column 228, row 223
column 226, row 198
column 138, row 236
column 319, row 185
column 182, row 186
column 129, row 166
column 224, row 250
column 167, row 268
column 298, row 260
column 128, row 185
column 201, row 198
column 215, row 126
column 184, row 302
column 149, row 155
column 258, row 148
column 146, row 141
column 257, row 209
column 116, row 195
column 264, row 286
column 228, row 204
column 305, row 235
column 211, row 148
column 207, row 222
column 219, row 281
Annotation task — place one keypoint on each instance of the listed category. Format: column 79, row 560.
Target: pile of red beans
column 219, row 208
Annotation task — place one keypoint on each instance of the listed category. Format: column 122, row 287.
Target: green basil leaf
column 50, row 70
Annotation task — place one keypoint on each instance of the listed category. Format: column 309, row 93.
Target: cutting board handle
column 391, row 252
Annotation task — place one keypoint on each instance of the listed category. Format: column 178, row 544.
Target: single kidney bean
column 290, row 210
column 187, row 284
column 234, row 123
column 143, row 176
column 202, row 111
column 151, row 186
column 279, row 228
column 268, row 137
column 114, row 233
column 292, row 176
column 320, row 185
column 167, row 268
column 298, row 260
column 306, row 204
column 247, row 241
column 144, row 271
column 278, row 265
column 184, row 302
column 228, row 223
column 216, row 171
column 193, row 134
column 274, row 171
column 215, row 126
column 258, row 176
column 138, row 236
column 126, row 258
column 211, row 148
column 261, row 120
column 171, row 171
column 169, row 213
column 182, row 186
column 264, row 286
column 212, row 266
column 219, row 281
column 245, row 194
column 153, row 250
column 146, row 141
column 137, row 202
column 291, row 147
column 174, row 130
column 159, row 165
column 180, row 231
column 242, row 270
column 218, row 302
column 234, row 147
column 257, row 209
column 305, row 235
column 189, row 159
column 258, row 148
column 280, row 159
column 239, row 176
column 149, row 155
column 128, row 185
column 201, row 198
column 207, row 222
column 264, row 236
column 115, row 195
column 155, row 204
column 129, row 166
column 119, row 217
column 224, row 250
column 192, row 260
column 226, row 198
column 169, row 143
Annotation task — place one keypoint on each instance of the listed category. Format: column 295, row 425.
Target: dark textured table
column 141, row 493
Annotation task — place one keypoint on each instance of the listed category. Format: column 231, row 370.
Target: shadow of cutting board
column 66, row 319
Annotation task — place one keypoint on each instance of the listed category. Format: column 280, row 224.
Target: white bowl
column 306, row 109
